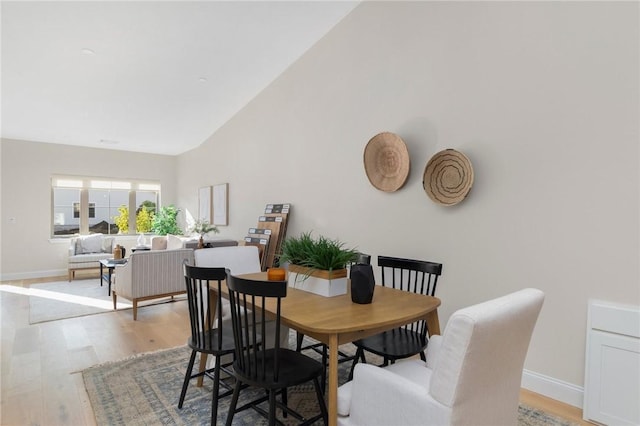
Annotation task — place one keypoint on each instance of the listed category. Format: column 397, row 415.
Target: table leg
column 101, row 269
column 333, row 380
column 433, row 323
column 203, row 366
column 109, row 283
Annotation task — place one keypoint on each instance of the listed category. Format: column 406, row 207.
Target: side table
column 110, row 264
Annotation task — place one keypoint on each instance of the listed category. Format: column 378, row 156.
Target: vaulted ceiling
column 149, row 76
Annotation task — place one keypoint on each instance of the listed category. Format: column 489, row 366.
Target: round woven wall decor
column 386, row 161
column 448, row 177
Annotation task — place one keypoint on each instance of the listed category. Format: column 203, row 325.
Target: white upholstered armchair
column 150, row 275
column 472, row 375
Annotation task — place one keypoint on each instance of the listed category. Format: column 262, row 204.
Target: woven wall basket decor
column 448, row 177
column 386, row 161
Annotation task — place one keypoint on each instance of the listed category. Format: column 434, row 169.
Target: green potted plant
column 202, row 227
column 166, row 221
column 317, row 264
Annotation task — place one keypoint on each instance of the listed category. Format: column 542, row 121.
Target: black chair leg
column 284, row 402
column 187, row 377
column 216, row 390
column 299, row 338
column 234, row 402
column 359, row 355
column 423, row 356
column 272, row 408
column 323, row 405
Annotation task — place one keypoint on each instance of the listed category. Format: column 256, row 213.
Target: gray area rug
column 62, row 299
column 144, row 390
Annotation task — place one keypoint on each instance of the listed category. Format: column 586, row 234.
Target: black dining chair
column 266, row 366
column 207, row 334
column 416, row 276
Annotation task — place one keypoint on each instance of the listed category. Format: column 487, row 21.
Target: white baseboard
column 553, row 388
column 33, row 274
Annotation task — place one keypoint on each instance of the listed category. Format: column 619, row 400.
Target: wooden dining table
column 337, row 320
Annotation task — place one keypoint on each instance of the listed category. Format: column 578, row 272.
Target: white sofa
column 87, row 250
column 151, row 274
column 169, row 242
column 472, row 374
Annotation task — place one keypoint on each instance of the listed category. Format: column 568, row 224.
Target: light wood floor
column 41, row 383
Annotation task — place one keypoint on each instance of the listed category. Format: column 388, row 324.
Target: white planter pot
column 336, row 285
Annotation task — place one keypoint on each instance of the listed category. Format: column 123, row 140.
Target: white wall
column 542, row 97
column 27, row 168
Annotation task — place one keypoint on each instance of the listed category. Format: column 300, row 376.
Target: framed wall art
column 221, row 204
column 204, row 203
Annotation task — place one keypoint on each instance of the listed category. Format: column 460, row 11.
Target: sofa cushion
column 89, row 258
column 107, row 244
column 89, row 244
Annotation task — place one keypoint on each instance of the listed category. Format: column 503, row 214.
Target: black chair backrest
column 416, row 276
column 199, row 282
column 254, row 361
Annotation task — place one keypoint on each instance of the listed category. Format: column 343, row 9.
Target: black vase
column 362, row 283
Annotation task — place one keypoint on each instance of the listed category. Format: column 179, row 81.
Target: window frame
column 84, row 184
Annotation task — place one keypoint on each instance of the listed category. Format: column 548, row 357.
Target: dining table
column 337, row 320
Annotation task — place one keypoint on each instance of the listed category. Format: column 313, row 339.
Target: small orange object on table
column 276, row 274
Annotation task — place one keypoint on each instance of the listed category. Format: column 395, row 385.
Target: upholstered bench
column 86, row 251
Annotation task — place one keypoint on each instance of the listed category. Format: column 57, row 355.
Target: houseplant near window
column 202, row 227
column 318, row 264
column 166, row 221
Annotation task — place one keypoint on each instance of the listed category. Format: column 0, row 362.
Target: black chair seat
column 394, row 344
column 295, row 369
column 209, row 344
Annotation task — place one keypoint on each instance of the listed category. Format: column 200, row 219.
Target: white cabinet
column 612, row 377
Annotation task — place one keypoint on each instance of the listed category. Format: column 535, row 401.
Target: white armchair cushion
column 433, row 352
column 380, row 397
column 238, row 259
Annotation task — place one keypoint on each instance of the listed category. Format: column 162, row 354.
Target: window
column 89, row 205
column 76, row 210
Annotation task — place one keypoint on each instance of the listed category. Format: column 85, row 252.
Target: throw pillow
column 174, row 242
column 91, row 243
column 107, row 244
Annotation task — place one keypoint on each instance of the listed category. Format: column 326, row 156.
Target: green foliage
column 144, row 220
column 166, row 221
column 150, row 206
column 316, row 253
column 203, row 227
column 122, row 220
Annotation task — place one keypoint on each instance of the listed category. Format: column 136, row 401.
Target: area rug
column 62, row 299
column 144, row 390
